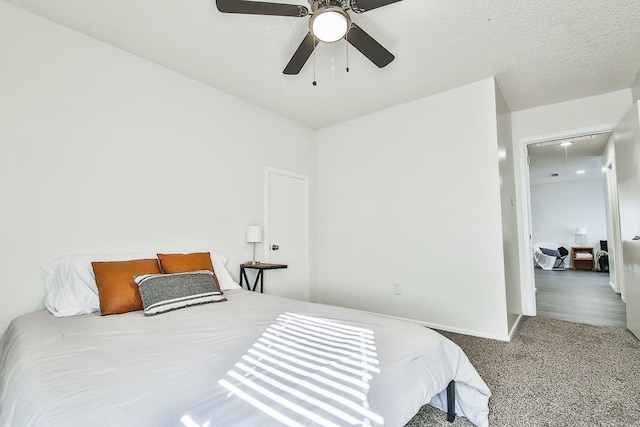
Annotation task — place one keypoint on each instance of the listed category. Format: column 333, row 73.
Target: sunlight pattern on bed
column 305, row 370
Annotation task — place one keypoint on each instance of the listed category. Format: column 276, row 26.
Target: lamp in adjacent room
column 581, row 235
column 254, row 235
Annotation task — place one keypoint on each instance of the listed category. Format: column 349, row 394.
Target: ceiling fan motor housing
column 317, row 4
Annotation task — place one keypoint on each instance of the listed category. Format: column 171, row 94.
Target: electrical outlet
column 397, row 290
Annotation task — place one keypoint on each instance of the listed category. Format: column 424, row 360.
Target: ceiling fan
column 329, row 22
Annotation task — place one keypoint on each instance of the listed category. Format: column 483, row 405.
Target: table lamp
column 581, row 232
column 254, row 235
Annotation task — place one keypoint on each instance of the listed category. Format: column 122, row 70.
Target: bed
column 170, row 369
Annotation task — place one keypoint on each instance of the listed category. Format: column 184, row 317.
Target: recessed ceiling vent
column 554, row 175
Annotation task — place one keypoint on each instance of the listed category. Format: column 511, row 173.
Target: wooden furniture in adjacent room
column 579, row 261
column 261, row 267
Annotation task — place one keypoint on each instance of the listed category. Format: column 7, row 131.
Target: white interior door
column 286, row 234
column 627, row 145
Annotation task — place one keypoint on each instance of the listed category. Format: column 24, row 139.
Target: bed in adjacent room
column 235, row 362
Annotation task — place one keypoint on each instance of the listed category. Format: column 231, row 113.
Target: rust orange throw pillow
column 117, row 290
column 183, row 263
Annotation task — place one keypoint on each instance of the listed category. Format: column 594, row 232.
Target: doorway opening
column 569, row 229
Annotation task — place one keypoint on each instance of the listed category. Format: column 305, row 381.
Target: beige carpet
column 554, row 373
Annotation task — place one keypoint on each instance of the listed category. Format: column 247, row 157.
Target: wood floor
column 579, row 296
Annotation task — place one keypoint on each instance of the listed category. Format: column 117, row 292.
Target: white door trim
column 527, row 280
column 615, row 241
column 268, row 171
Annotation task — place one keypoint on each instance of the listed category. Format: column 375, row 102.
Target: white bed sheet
column 132, row 370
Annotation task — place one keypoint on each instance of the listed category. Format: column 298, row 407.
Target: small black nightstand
column 261, row 267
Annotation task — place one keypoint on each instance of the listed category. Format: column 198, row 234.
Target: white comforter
column 132, row 370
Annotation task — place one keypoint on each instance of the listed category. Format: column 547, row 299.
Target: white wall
column 101, row 151
column 549, row 121
column 506, row 162
column 411, row 195
column 558, row 209
column 605, row 109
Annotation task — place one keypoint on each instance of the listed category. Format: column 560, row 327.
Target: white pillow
column 70, row 284
column 225, row 280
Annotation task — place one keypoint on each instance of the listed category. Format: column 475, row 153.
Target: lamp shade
column 581, row 231
column 254, row 234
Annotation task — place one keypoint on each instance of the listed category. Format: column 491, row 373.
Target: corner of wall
column 635, row 88
column 510, row 235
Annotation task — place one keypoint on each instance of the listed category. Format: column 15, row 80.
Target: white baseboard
column 515, row 327
column 453, row 329
column 613, row 287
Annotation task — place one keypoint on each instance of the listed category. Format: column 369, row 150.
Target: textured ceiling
column 541, row 51
column 585, row 154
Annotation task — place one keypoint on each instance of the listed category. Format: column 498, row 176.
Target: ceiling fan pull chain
column 315, row 83
column 346, row 37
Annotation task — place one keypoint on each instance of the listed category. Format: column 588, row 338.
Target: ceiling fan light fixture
column 329, row 23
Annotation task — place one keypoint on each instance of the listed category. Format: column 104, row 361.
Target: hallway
column 579, row 296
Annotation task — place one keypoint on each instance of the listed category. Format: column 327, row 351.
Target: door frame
column 268, row 171
column 527, row 279
column 615, row 246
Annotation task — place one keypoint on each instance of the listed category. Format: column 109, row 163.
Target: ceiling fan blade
column 368, row 46
column 261, row 8
column 359, row 6
column 301, row 55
